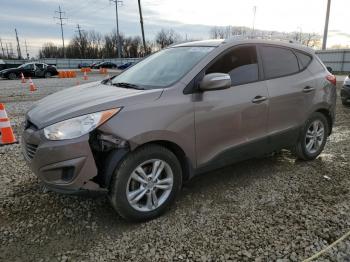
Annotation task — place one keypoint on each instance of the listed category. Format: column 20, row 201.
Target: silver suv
column 182, row 111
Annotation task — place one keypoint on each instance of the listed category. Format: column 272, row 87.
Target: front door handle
column 259, row 99
column 308, row 89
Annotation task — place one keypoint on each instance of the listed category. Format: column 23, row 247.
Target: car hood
column 85, row 99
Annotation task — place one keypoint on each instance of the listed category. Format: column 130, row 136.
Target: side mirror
column 215, row 81
column 330, row 70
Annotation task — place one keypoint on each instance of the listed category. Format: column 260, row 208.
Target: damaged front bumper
column 66, row 166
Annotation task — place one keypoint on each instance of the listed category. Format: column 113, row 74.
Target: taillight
column 332, row 79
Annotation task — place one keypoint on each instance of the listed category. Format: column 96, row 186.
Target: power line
column 61, row 23
column 119, row 44
column 18, row 46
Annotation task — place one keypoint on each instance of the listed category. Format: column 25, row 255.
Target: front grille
column 30, row 150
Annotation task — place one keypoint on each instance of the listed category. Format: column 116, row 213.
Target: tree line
column 93, row 44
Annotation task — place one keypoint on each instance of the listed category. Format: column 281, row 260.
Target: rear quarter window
column 304, row 59
column 278, row 61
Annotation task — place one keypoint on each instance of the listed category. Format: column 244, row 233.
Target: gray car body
column 206, row 130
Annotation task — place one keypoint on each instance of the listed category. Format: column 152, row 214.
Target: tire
column 123, row 183
column 47, row 74
column 12, row 76
column 301, row 150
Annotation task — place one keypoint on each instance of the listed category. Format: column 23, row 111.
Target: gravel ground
column 273, row 208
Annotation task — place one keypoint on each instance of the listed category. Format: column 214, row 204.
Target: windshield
column 164, row 67
column 25, row 65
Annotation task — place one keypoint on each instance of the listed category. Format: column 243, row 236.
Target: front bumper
column 66, row 166
column 345, row 93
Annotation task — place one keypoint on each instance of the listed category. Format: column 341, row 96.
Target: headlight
column 78, row 126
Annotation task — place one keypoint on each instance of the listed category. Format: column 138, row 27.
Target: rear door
column 291, row 87
column 231, row 124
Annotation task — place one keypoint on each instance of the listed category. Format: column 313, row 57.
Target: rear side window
column 304, row 60
column 278, row 61
column 240, row 63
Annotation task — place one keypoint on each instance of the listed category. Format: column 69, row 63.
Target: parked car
column 345, row 91
column 105, row 65
column 125, row 66
column 180, row 112
column 83, row 65
column 94, row 64
column 29, row 70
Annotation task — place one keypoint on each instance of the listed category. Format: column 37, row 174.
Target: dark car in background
column 345, row 92
column 104, row 65
column 125, row 65
column 83, row 65
column 29, row 70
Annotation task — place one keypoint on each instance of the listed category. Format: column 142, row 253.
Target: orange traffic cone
column 23, row 80
column 7, row 136
column 32, row 87
column 85, row 76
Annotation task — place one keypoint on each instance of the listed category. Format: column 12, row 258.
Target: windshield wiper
column 128, row 85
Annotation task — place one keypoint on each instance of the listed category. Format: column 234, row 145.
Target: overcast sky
column 35, row 23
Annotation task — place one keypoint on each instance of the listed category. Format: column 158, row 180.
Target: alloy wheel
column 149, row 185
column 314, row 137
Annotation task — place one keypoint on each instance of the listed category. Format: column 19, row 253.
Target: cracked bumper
column 65, row 166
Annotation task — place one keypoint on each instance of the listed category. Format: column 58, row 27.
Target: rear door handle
column 308, row 89
column 259, row 99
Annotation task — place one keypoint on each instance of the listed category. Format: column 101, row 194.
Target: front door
column 231, row 124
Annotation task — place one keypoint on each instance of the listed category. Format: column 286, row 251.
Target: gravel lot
column 273, row 208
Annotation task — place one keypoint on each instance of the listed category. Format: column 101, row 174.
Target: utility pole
column 325, row 33
column 59, row 12
column 11, row 50
column 18, row 46
column 81, row 41
column 27, row 54
column 2, row 48
column 142, row 30
column 119, row 44
column 7, row 51
column 254, row 14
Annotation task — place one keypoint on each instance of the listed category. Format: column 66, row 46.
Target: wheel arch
column 328, row 116
column 186, row 166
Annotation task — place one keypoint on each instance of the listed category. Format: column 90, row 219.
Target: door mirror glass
column 215, row 81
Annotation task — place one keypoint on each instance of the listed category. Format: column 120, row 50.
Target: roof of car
column 229, row 42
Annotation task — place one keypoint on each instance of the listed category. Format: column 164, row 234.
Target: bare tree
column 167, row 37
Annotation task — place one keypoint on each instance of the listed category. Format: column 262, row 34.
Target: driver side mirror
column 215, row 81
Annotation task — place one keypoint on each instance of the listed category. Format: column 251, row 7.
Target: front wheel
column 313, row 137
column 145, row 183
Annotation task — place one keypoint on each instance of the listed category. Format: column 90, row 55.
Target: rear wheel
column 47, row 74
column 146, row 183
column 12, row 76
column 313, row 138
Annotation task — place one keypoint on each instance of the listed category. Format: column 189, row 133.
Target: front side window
column 39, row 66
column 241, row 64
column 164, row 67
column 278, row 62
column 27, row 66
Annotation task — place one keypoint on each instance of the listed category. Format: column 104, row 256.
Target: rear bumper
column 66, row 166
